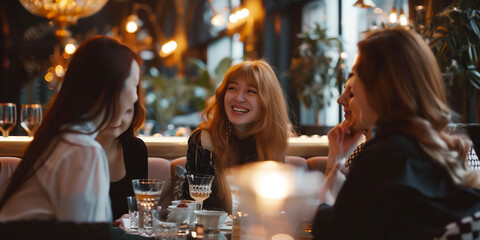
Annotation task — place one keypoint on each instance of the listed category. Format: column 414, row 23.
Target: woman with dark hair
column 64, row 172
column 411, row 179
column 246, row 122
column 127, row 155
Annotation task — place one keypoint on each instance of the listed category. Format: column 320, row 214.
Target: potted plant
column 454, row 36
column 316, row 68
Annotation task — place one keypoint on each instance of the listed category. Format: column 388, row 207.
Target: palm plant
column 454, row 36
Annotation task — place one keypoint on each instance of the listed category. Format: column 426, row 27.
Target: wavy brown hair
column 92, row 85
column 404, row 87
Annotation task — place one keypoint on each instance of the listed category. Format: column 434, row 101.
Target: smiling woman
column 246, row 122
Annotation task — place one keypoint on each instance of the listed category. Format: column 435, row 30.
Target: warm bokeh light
column 233, row 18
column 392, row 18
column 132, row 23
column 70, row 48
column 343, row 55
column 403, row 18
column 218, row 20
column 272, row 185
column 59, row 71
column 239, row 15
column 49, row 77
column 168, row 48
column 131, row 27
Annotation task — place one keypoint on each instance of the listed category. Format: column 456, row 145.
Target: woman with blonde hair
column 410, row 180
column 246, row 122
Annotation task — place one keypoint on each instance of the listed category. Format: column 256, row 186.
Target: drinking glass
column 31, row 117
column 147, row 192
column 8, row 117
column 132, row 212
column 200, row 187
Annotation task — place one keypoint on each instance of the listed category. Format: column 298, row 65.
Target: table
column 174, row 147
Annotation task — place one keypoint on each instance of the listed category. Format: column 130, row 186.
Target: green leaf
column 474, row 79
column 474, row 26
column 451, row 42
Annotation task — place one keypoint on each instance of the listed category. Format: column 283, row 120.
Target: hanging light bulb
column 402, row 19
column 392, row 18
column 132, row 23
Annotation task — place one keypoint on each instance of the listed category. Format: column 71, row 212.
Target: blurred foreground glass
column 31, row 117
column 163, row 230
column 8, row 117
column 200, row 187
column 147, row 192
column 132, row 212
column 275, row 199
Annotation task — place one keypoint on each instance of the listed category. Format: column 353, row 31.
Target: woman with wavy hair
column 410, row 180
column 246, row 122
column 64, row 172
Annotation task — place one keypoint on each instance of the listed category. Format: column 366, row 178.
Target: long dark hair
column 91, row 87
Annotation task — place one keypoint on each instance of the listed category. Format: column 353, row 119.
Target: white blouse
column 72, row 185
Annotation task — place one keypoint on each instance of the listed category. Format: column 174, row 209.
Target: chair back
column 7, row 167
column 159, row 168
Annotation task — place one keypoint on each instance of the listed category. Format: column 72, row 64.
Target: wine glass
column 8, row 117
column 31, row 117
column 147, row 192
column 200, row 187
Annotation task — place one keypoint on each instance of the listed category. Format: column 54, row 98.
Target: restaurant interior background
column 187, row 45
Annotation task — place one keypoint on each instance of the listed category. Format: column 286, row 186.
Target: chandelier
column 63, row 12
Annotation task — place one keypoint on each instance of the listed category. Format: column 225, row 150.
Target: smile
column 239, row 109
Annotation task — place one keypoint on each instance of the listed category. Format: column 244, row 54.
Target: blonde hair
column 272, row 128
column 404, row 86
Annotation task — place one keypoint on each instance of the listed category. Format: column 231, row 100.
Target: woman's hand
column 341, row 141
column 119, row 222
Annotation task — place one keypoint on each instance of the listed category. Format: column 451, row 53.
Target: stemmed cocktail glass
column 8, row 117
column 31, row 117
column 200, row 187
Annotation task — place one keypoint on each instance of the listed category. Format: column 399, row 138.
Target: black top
column 136, row 166
column 395, row 191
column 201, row 161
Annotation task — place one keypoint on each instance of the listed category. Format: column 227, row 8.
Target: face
column 242, row 104
column 362, row 113
column 344, row 100
column 128, row 97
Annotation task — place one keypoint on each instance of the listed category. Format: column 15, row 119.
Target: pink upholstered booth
column 7, row 167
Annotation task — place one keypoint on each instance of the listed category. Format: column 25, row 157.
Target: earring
column 228, row 128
